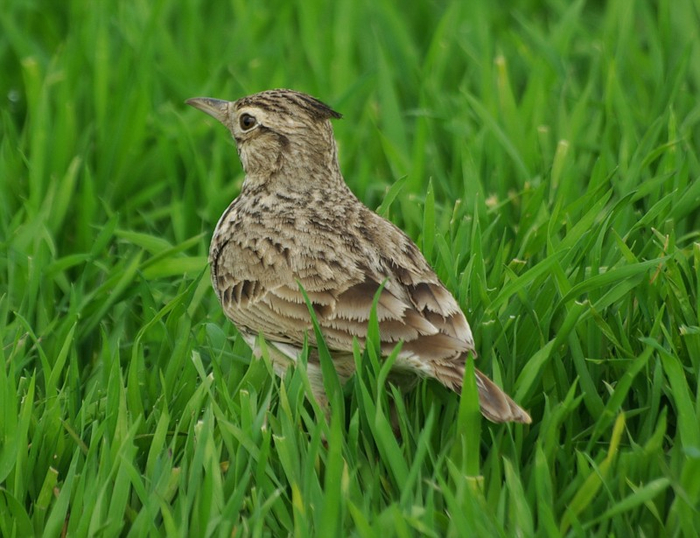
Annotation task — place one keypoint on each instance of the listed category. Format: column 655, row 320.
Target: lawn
column 544, row 155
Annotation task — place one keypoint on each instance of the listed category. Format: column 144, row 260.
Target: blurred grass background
column 544, row 155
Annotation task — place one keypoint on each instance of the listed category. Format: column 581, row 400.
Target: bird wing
column 413, row 307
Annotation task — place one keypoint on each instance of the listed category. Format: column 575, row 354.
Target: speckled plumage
column 295, row 223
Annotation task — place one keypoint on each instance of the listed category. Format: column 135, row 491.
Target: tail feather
column 495, row 404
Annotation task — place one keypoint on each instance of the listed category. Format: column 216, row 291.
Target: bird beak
column 216, row 108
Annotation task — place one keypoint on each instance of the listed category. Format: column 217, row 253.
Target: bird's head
column 277, row 130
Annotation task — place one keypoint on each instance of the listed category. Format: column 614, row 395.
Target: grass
column 544, row 157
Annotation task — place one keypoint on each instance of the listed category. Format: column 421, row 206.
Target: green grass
column 549, row 168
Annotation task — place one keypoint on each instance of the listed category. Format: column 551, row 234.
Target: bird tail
column 495, row 404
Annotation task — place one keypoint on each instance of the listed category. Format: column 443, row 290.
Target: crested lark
column 296, row 223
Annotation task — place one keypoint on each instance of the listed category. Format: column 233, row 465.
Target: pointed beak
column 216, row 108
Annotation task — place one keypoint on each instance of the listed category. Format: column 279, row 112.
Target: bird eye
column 247, row 122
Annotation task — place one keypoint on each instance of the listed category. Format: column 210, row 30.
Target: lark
column 296, row 225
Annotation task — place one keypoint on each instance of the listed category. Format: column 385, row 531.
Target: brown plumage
column 295, row 223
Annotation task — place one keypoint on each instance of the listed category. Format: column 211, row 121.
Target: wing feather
column 413, row 307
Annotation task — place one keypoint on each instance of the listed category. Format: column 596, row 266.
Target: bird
column 297, row 229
